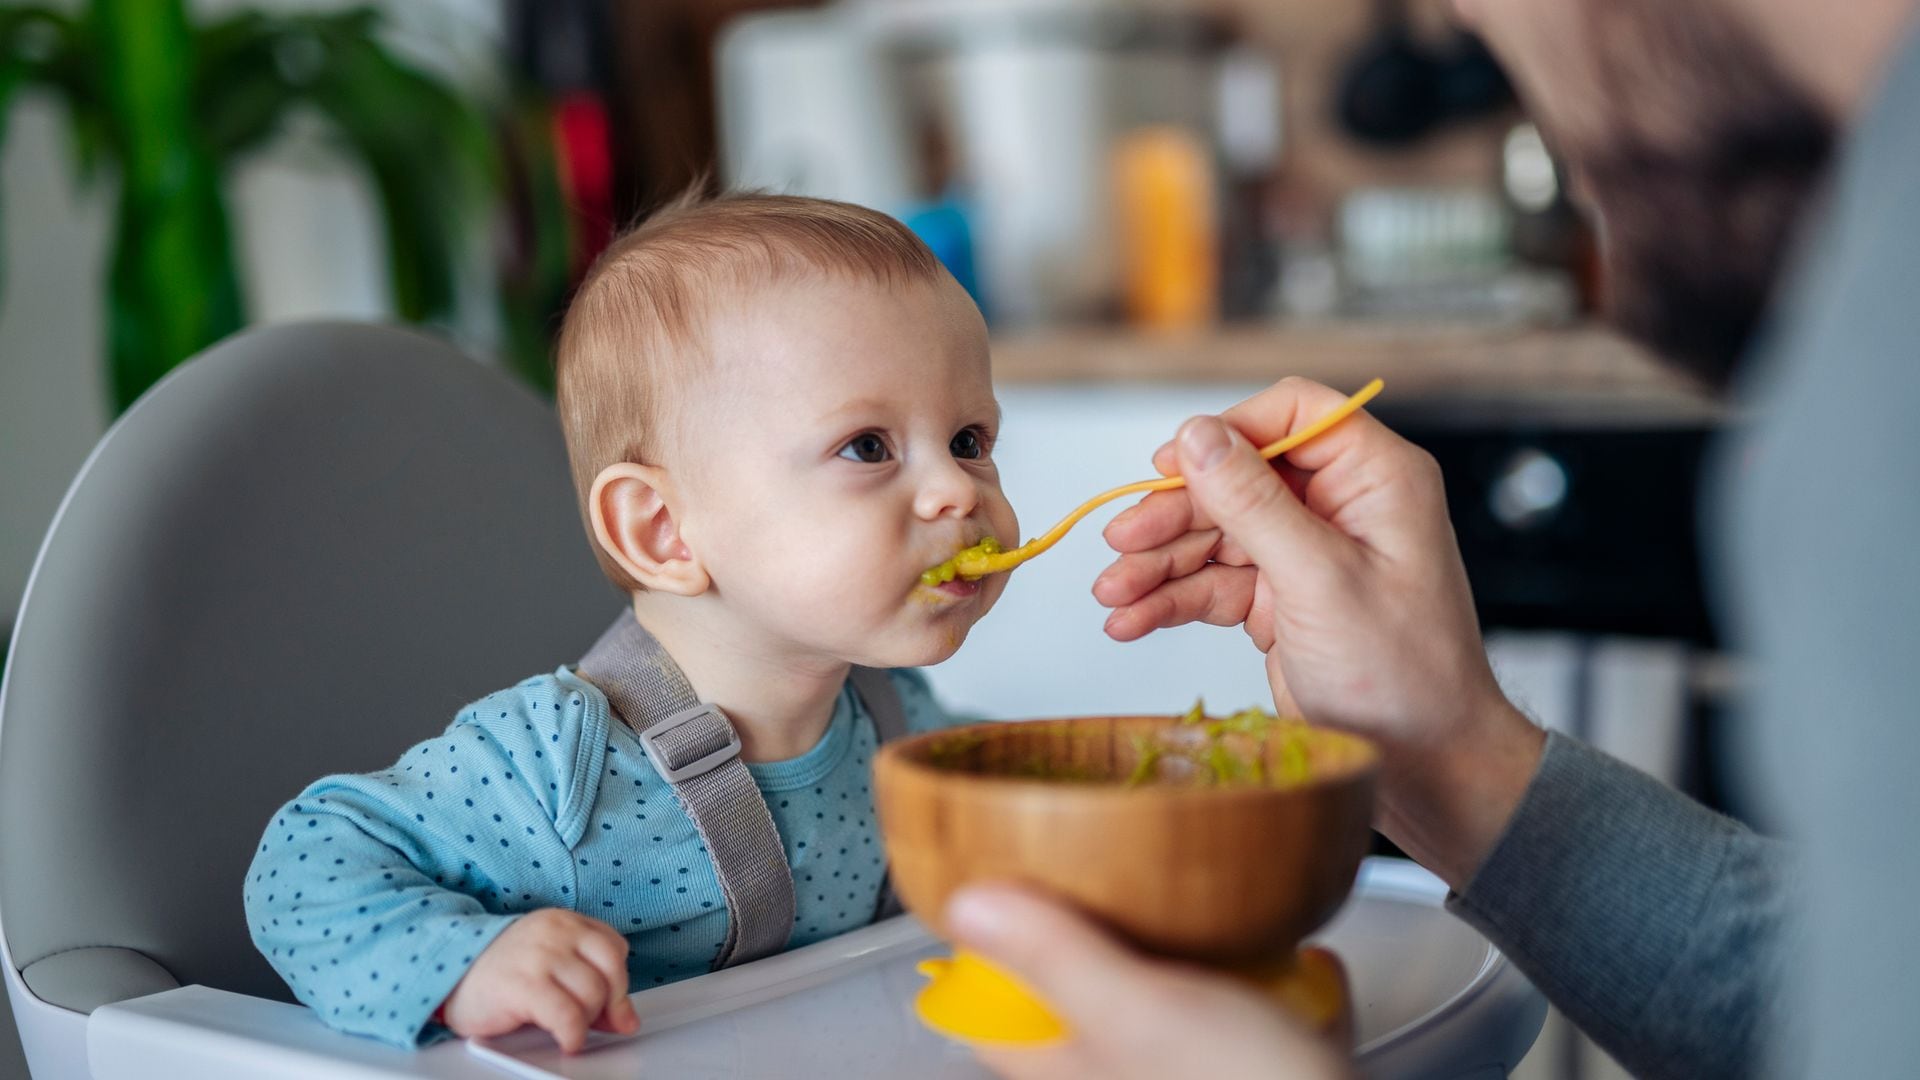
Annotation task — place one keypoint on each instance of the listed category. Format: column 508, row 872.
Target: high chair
column 297, row 555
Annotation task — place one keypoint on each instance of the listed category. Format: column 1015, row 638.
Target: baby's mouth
column 968, row 564
column 957, row 589
column 948, row 582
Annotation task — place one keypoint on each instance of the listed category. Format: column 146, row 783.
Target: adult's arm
column 1652, row 922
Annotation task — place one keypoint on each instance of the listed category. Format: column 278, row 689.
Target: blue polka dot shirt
column 372, row 894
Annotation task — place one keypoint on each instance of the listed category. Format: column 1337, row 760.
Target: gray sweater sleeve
column 1654, row 923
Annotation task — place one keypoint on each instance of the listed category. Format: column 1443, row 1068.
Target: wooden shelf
column 1565, row 373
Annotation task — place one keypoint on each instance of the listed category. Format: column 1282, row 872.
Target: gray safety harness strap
column 696, row 749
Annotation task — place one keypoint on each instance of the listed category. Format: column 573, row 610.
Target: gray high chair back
column 297, row 555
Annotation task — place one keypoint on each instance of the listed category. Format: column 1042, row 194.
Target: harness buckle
column 689, row 755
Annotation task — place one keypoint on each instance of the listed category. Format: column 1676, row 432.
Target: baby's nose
column 948, row 492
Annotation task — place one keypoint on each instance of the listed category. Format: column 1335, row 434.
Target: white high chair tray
column 1432, row 999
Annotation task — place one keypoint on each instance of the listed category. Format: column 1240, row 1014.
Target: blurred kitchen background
column 1161, row 206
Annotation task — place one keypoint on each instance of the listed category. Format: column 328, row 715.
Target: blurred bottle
column 947, row 231
column 1169, row 224
column 1547, row 231
column 1032, row 108
column 559, row 53
column 1248, row 129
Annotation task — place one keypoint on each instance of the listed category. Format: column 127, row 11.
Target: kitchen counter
column 1470, row 373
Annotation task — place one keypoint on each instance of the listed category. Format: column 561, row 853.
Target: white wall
column 52, row 382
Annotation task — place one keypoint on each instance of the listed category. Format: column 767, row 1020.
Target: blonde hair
column 633, row 331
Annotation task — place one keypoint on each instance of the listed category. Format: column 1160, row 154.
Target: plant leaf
column 239, row 91
column 426, row 151
column 172, row 285
column 537, row 270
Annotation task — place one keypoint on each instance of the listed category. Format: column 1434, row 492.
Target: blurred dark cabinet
column 1593, row 530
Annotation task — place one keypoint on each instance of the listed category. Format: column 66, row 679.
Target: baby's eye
column 868, row 449
column 967, row 444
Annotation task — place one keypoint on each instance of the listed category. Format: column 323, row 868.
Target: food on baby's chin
column 966, row 563
column 1247, row 749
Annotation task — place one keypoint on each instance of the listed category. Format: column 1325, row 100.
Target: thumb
column 1242, row 494
column 620, row 1017
column 1077, row 968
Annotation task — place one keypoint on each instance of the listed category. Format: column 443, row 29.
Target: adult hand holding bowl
column 1133, row 1017
column 1226, row 864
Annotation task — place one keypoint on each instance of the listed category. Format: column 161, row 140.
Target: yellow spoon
column 986, row 557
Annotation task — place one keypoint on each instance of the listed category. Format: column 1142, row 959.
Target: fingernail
column 1204, row 443
column 974, row 916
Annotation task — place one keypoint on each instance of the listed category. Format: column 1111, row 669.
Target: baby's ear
column 633, row 524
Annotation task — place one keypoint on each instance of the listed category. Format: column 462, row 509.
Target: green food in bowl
column 1251, row 748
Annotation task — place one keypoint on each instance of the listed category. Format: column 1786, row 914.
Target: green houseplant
column 169, row 106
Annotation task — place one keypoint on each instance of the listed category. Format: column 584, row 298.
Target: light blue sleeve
column 372, row 894
column 924, row 711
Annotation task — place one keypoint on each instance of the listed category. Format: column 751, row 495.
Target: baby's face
column 840, row 444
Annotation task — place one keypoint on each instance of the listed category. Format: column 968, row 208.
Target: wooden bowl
column 1222, row 874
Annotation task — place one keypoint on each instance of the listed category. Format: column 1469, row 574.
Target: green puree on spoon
column 988, row 557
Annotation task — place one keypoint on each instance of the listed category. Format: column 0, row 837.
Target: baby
column 779, row 413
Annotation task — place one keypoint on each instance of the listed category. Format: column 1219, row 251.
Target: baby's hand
column 553, row 969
